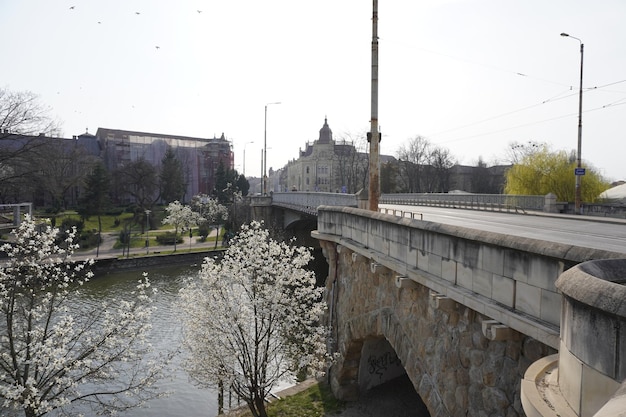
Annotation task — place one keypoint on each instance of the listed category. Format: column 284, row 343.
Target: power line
column 614, row 104
column 549, row 100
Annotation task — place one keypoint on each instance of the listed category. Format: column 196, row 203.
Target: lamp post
column 147, row 230
column 579, row 171
column 244, row 157
column 374, row 135
column 265, row 150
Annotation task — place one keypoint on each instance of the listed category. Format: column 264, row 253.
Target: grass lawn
column 316, row 401
column 114, row 224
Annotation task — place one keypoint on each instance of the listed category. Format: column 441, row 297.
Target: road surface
column 586, row 231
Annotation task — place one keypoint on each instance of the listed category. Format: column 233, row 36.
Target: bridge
column 483, row 323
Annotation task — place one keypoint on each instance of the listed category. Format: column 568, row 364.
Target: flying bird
column 137, row 13
column 157, row 47
column 72, row 7
column 199, row 11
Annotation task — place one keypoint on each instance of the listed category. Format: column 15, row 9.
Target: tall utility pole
column 579, row 171
column 374, row 135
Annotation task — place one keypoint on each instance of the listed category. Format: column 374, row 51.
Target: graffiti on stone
column 378, row 365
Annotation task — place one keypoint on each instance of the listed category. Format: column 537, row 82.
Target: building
column 200, row 157
column 327, row 166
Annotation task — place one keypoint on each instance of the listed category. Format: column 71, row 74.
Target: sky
column 473, row 76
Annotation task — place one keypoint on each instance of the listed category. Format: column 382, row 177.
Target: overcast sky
column 470, row 75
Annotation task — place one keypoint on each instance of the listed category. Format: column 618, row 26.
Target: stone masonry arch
column 453, row 366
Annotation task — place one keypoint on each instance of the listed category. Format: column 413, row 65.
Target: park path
column 107, row 249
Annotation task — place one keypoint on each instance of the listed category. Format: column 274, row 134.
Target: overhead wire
column 557, row 97
column 614, row 104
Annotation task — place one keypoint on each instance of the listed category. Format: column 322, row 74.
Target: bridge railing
column 310, row 201
column 496, row 202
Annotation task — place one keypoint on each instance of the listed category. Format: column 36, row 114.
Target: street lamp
column 147, row 230
column 244, row 157
column 579, row 171
column 265, row 150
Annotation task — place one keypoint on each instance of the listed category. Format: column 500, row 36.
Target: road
column 586, row 231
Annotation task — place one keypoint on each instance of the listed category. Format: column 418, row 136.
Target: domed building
column 327, row 166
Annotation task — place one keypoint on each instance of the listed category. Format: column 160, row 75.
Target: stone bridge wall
column 454, row 367
column 465, row 311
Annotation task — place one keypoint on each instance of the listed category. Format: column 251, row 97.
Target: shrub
column 168, row 238
column 203, row 231
column 67, row 225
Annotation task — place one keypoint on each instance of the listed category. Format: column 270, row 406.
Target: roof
column 103, row 131
column 615, row 193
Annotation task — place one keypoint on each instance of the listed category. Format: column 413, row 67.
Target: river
column 185, row 398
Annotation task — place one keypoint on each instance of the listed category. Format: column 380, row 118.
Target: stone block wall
column 441, row 344
column 466, row 311
column 507, row 278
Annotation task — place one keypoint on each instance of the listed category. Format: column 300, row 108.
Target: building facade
column 326, row 166
column 200, row 157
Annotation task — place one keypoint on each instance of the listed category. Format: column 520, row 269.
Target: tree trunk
column 260, row 406
column 99, row 235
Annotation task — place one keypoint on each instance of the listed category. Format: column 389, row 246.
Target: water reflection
column 185, row 398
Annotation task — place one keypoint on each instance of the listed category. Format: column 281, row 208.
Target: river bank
column 108, row 259
column 395, row 398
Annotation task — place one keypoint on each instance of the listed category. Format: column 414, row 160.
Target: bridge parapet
column 495, row 202
column 509, row 279
column 309, row 201
column 465, row 311
column 591, row 363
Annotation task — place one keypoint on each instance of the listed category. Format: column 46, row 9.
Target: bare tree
column 413, row 157
column 440, row 162
column 21, row 112
column 24, row 124
column 350, row 161
column 519, row 151
column 138, row 180
column 424, row 167
column 62, row 166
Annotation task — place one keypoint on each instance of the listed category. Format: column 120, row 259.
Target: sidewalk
column 107, row 250
column 600, row 219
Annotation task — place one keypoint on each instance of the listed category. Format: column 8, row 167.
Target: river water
column 185, row 398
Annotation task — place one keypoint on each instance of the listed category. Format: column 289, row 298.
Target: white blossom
column 181, row 217
column 50, row 357
column 253, row 317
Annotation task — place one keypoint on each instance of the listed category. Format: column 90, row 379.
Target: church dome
column 326, row 135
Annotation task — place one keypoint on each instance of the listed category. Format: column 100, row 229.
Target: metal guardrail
column 308, row 202
column 493, row 202
column 402, row 213
column 11, row 215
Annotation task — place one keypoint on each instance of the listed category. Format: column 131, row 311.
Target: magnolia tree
column 52, row 358
column 253, row 318
column 181, row 217
column 212, row 212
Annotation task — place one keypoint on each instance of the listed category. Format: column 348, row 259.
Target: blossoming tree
column 252, row 318
column 52, row 358
column 182, row 217
column 212, row 212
